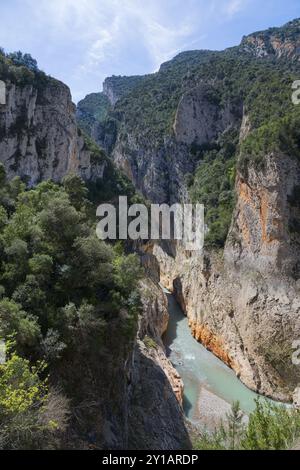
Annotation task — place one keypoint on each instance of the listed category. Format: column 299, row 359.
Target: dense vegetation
column 63, row 292
column 213, row 186
column 264, row 87
column 270, row 427
column 121, row 86
column 93, row 109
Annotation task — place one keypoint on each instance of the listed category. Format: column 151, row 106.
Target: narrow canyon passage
column 210, row 387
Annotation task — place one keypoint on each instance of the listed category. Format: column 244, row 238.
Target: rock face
column 156, row 419
column 157, row 172
column 200, row 119
column 154, row 324
column 110, row 92
column 244, row 304
column 144, row 410
column 159, row 169
column 39, row 135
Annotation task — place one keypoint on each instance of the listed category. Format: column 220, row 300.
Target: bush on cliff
column 26, row 60
column 31, row 415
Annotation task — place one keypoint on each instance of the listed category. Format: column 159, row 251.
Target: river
column 210, row 387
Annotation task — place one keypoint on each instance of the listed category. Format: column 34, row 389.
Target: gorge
column 208, row 128
column 212, row 127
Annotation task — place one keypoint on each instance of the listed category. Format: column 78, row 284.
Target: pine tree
column 235, row 425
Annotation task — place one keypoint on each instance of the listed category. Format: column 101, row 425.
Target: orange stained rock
column 245, row 193
column 211, row 341
column 264, row 210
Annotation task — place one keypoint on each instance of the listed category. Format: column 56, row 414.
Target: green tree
column 76, row 190
column 26, row 60
column 67, row 297
column 271, row 427
column 14, row 320
column 234, row 426
column 127, row 272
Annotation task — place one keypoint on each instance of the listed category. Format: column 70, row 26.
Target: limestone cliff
column 279, row 42
column 114, row 88
column 244, row 304
column 39, row 135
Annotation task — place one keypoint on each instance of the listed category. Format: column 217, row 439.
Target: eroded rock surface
column 39, row 135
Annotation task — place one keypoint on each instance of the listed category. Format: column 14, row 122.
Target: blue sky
column 83, row 41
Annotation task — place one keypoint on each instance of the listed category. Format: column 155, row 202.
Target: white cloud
column 104, row 26
column 144, row 23
column 235, row 6
column 86, row 40
column 162, row 40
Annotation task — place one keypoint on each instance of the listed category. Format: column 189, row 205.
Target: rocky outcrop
column 159, row 169
column 274, row 42
column 110, row 92
column 155, row 318
column 39, row 135
column 153, row 325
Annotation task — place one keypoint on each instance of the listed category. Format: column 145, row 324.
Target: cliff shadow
column 156, row 419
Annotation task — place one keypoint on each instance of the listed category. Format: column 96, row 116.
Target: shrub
column 30, row 416
column 271, row 427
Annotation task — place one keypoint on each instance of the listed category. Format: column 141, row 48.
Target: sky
column 83, row 41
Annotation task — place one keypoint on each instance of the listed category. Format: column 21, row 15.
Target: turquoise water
column 199, row 368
